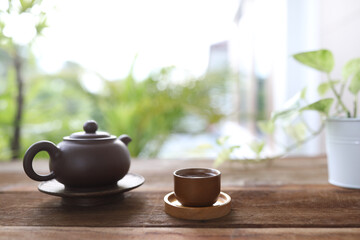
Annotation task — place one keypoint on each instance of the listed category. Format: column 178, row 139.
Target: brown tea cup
column 197, row 187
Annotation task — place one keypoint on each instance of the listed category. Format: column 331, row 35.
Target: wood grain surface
column 75, row 233
column 289, row 200
column 254, row 207
column 158, row 173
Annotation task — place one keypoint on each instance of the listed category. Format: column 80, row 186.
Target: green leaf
column 322, row 106
column 354, row 86
column 285, row 114
column 291, row 107
column 26, row 5
column 295, row 100
column 350, row 68
column 324, row 87
column 205, row 146
column 41, row 25
column 303, row 93
column 221, row 140
column 224, row 155
column 257, row 146
column 267, row 126
column 321, row 60
column 296, row 131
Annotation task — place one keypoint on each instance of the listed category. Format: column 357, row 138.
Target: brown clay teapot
column 84, row 159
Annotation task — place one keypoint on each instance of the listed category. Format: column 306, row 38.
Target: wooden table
column 289, row 200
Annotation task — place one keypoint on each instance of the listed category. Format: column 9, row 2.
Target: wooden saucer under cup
column 219, row 209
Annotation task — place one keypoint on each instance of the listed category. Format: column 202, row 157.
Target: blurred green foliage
column 7, row 111
column 55, row 105
column 15, row 60
column 148, row 111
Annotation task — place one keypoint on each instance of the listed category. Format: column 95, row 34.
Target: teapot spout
column 125, row 139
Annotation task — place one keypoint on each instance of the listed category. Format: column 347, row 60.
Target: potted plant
column 342, row 127
column 339, row 120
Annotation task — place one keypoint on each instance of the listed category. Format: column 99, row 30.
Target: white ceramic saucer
column 174, row 208
column 94, row 196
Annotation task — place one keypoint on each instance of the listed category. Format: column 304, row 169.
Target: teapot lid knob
column 90, row 126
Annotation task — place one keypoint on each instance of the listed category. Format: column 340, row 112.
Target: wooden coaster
column 174, row 208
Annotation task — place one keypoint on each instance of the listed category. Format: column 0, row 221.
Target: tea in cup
column 197, row 187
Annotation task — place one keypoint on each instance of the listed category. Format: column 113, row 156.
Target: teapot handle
column 34, row 149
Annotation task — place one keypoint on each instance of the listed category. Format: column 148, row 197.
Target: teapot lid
column 90, row 132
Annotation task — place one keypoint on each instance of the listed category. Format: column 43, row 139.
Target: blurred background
column 173, row 75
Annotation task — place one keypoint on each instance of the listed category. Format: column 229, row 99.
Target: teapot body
column 86, row 159
column 90, row 163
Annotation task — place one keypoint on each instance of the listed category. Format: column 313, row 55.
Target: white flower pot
column 343, row 151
